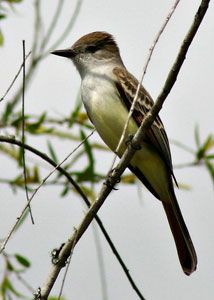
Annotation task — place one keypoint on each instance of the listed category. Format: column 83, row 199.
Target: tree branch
column 23, row 134
column 81, row 193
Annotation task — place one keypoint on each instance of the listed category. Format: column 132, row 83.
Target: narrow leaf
column 22, row 260
column 88, row 149
column 1, row 39
column 52, row 152
column 210, row 168
column 75, row 113
column 197, row 138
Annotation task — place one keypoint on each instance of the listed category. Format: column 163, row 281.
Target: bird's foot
column 129, row 142
column 108, row 182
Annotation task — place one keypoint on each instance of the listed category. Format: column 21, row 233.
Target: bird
column 107, row 92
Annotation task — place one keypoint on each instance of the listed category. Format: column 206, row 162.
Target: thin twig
column 172, row 10
column 101, row 263
column 68, row 28
column 128, row 154
column 182, row 146
column 67, row 267
column 23, row 134
column 52, row 24
column 37, row 57
column 37, row 27
column 15, row 77
column 24, row 282
column 188, row 165
column 16, row 273
column 81, row 193
column 34, row 60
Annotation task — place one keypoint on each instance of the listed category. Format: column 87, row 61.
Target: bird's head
column 91, row 50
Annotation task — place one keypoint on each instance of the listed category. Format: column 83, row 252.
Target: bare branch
column 23, row 134
column 68, row 28
column 37, row 27
column 52, row 24
column 14, row 79
column 67, row 267
column 34, row 60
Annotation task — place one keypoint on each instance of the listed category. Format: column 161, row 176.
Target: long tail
column 184, row 245
column 183, row 242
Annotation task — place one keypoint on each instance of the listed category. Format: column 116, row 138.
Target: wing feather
column 127, row 85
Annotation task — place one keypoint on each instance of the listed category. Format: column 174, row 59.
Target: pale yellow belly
column 109, row 120
column 109, row 116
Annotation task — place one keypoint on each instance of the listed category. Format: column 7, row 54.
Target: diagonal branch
column 127, row 156
column 52, row 24
column 67, row 29
column 15, row 77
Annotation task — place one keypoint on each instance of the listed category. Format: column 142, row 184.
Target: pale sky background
column 138, row 228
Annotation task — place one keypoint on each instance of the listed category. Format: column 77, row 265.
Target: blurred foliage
column 5, row 8
column 74, row 127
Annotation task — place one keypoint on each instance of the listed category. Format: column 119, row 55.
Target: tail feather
column 183, row 242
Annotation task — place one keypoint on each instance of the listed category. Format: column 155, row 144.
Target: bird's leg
column 108, row 181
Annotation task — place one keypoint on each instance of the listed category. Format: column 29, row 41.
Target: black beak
column 69, row 53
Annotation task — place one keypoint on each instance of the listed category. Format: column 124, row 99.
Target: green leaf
column 22, row 260
column 1, row 38
column 7, row 286
column 88, row 174
column 88, row 149
column 14, row 1
column 21, row 221
column 10, row 266
column 7, row 113
column 209, row 142
column 74, row 113
column 65, row 191
column 35, row 176
column 197, row 138
column 210, row 168
column 2, row 16
column 85, row 175
column 56, row 298
column 20, row 157
column 35, row 125
column 52, row 152
column 17, row 121
column 205, row 147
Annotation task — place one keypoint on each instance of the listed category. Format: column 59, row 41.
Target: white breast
column 105, row 109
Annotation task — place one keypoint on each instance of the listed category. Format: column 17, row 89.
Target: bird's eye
column 91, row 48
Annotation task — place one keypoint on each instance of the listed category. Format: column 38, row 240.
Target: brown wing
column 127, row 86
